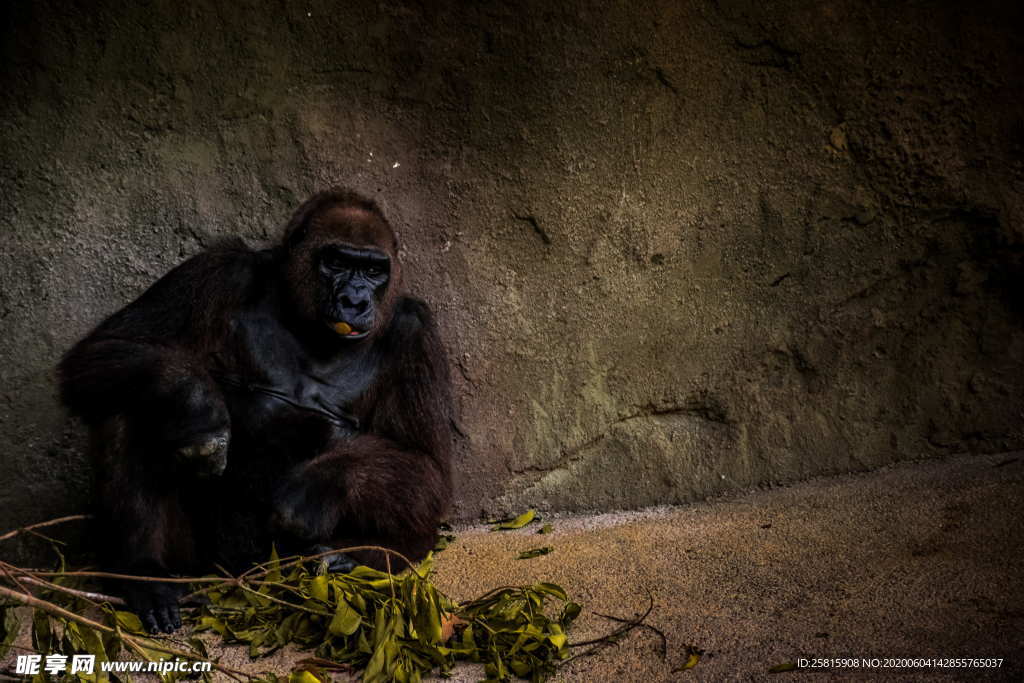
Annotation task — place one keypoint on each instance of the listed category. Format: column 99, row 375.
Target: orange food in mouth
column 342, row 328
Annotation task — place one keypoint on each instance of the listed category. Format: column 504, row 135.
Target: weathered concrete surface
column 676, row 248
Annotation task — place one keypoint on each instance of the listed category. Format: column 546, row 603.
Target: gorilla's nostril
column 359, row 304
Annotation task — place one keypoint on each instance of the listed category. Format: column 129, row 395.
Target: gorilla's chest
column 279, row 394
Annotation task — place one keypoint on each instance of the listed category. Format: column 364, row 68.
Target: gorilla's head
column 341, row 265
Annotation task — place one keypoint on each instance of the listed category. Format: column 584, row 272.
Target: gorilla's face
column 342, row 272
column 352, row 284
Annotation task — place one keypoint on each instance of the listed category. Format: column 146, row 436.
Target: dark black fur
column 226, row 414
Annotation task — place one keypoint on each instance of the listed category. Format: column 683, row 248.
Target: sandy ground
column 923, row 560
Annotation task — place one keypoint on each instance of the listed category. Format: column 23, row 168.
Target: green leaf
column 91, row 642
column 552, row 589
column 535, row 552
column 346, row 620
column 517, row 523
column 520, row 667
column 781, row 668
column 9, row 627
column 569, row 614
column 318, row 588
column 443, row 541
column 207, row 623
column 199, row 646
column 42, row 635
column 376, row 668
column 274, row 575
column 363, row 645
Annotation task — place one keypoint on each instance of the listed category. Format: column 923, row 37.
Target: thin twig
column 661, row 634
column 488, row 594
column 301, row 559
column 38, row 525
column 391, row 577
column 264, row 568
column 85, row 595
column 6, row 569
column 132, row 577
column 613, row 637
column 241, row 584
column 48, row 539
column 50, row 608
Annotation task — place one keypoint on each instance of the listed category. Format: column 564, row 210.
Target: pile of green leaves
column 509, row 632
column 386, row 627
column 393, row 628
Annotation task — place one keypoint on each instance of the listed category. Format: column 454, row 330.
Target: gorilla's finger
column 340, row 563
column 164, row 618
column 148, row 619
column 175, row 612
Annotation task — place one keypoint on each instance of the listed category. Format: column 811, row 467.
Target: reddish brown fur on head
column 341, row 217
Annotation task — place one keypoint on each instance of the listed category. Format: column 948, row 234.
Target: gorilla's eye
column 374, row 271
column 333, row 261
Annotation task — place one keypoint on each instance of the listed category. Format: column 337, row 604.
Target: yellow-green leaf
column 274, row 573
column 535, row 552
column 552, row 589
column 129, row 621
column 517, row 523
column 318, row 588
column 9, row 628
column 346, row 620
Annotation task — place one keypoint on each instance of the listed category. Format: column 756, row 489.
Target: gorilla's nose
column 357, row 303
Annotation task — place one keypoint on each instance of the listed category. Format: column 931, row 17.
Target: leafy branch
column 389, row 627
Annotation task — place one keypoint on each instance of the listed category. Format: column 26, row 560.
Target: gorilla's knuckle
column 206, row 455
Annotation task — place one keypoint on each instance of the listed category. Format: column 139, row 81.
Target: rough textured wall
column 676, row 247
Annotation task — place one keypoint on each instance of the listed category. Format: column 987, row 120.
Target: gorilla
column 290, row 396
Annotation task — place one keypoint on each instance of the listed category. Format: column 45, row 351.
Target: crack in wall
column 702, row 407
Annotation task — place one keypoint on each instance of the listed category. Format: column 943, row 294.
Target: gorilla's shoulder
column 412, row 317
column 410, row 305
column 228, row 263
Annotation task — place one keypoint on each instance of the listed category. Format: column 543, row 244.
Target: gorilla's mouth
column 345, row 330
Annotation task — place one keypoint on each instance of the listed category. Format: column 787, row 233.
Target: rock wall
column 676, row 248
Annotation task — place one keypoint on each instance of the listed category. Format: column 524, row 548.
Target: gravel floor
column 917, row 561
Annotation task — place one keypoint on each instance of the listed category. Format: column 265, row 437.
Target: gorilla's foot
column 156, row 604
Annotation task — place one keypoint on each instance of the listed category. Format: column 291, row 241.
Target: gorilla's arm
column 141, row 382
column 150, row 358
column 390, row 485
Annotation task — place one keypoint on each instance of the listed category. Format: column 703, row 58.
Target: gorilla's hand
column 306, row 504
column 155, row 603
column 335, row 563
column 208, row 456
column 190, row 421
